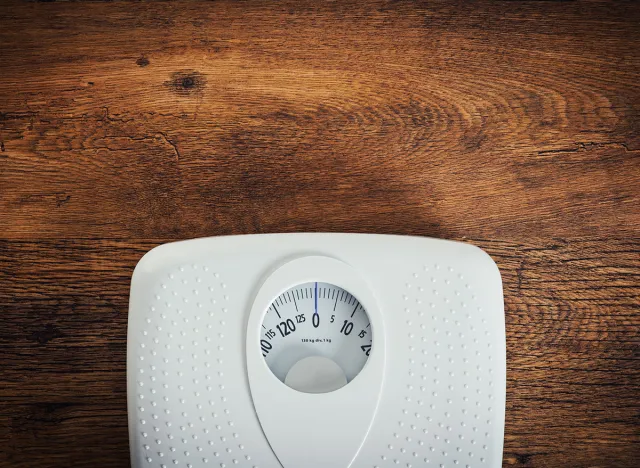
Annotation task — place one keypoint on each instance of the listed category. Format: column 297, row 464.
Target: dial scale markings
column 316, row 319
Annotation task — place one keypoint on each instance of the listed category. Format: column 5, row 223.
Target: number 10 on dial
column 316, row 337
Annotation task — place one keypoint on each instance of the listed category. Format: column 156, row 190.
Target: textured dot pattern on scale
column 183, row 408
column 445, row 417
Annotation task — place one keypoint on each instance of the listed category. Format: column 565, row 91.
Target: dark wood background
column 514, row 126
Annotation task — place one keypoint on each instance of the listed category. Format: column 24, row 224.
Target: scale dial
column 316, row 337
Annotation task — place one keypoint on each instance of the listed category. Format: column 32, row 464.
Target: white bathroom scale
column 316, row 351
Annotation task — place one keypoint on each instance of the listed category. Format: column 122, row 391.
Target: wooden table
column 510, row 125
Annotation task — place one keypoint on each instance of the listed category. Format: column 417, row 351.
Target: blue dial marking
column 316, row 303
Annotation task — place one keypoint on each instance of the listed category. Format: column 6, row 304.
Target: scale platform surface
column 316, row 350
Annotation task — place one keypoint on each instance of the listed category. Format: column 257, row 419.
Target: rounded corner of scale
column 148, row 262
column 485, row 260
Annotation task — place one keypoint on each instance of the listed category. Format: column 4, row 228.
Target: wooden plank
column 153, row 119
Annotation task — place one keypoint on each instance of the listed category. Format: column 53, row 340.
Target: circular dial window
column 316, row 337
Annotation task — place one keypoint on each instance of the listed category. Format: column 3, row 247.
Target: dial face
column 316, row 337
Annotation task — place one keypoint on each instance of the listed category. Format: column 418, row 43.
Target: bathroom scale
column 316, row 350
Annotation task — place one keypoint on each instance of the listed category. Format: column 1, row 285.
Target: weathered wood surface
column 511, row 125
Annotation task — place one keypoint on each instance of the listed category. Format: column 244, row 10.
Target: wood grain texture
column 511, row 125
